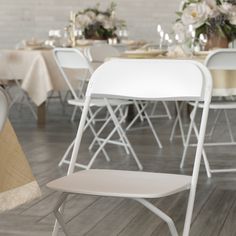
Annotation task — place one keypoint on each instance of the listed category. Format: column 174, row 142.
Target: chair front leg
column 159, row 213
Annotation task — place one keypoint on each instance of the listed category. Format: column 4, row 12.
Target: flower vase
column 216, row 41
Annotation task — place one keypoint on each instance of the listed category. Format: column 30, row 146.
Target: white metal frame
column 74, row 59
column 222, row 59
column 21, row 93
column 191, row 81
column 3, row 108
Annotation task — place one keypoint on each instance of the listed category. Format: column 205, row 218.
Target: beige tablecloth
column 37, row 70
column 17, row 184
column 224, row 81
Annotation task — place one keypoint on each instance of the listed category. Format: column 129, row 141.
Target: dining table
column 224, row 81
column 38, row 72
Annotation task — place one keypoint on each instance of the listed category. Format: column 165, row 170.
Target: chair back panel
column 221, row 59
column 71, row 58
column 3, row 109
column 149, row 79
column 100, row 52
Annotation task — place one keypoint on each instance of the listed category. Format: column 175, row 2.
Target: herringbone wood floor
column 214, row 212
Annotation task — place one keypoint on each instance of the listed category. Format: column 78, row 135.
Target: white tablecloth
column 37, row 70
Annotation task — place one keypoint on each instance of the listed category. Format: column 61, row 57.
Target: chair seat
column 98, row 102
column 218, row 105
column 115, row 183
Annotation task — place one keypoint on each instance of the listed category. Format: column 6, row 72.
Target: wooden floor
column 214, row 212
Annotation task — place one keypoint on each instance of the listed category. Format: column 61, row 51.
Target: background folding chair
column 73, row 59
column 222, row 59
column 3, row 108
column 11, row 82
column 190, row 81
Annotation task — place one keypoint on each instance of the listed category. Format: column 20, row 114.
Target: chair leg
column 186, row 143
column 229, row 126
column 178, row 119
column 58, row 210
column 167, row 110
column 152, row 128
column 140, row 111
column 214, row 123
column 116, row 122
column 159, row 213
column 73, row 114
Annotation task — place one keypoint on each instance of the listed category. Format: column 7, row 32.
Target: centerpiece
column 214, row 18
column 99, row 24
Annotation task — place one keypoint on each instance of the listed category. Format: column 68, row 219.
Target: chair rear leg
column 159, row 213
column 58, row 214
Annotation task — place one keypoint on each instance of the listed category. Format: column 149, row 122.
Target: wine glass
column 203, row 41
column 161, row 34
column 159, row 28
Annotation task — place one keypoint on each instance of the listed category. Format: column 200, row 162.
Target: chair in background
column 9, row 80
column 3, row 108
column 73, row 59
column 190, row 81
column 218, row 60
column 98, row 54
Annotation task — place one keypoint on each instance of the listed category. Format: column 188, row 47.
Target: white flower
column 232, row 16
column 83, row 20
column 107, row 24
column 195, row 14
column 101, row 18
column 225, row 7
column 211, row 3
column 213, row 9
column 91, row 15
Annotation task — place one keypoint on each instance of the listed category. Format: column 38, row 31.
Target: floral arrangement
column 98, row 24
column 211, row 17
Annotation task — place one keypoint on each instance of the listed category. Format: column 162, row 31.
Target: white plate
column 144, row 53
column 202, row 53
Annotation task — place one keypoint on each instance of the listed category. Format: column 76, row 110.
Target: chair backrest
column 70, row 58
column 222, row 59
column 100, row 52
column 150, row 80
column 3, row 108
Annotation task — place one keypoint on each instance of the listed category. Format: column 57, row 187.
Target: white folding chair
column 3, row 108
column 190, row 80
column 98, row 53
column 222, row 59
column 73, row 59
column 10, row 79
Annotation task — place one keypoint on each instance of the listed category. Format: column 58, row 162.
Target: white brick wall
column 22, row 19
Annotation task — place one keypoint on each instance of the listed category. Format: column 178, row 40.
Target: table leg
column 41, row 112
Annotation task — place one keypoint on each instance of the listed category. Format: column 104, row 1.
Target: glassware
column 123, row 34
column 161, row 41
column 203, row 41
